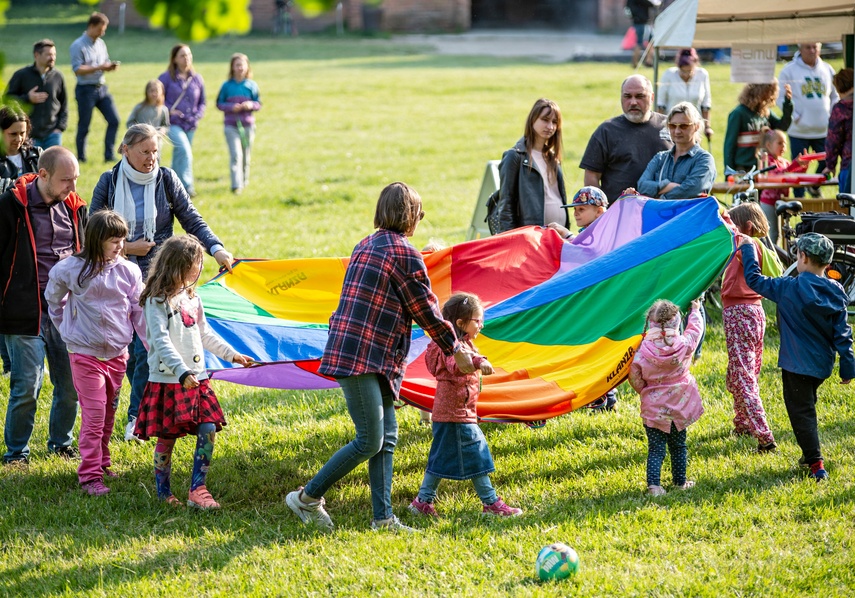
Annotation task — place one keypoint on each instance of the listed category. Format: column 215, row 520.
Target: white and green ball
column 556, row 561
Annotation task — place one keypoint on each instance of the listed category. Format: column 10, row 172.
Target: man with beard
column 41, row 223
column 620, row 148
column 40, row 89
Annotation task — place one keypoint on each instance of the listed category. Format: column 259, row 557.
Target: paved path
column 546, row 46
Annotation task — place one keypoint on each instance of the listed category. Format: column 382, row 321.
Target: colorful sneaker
column 769, row 447
column 129, row 431
column 393, row 524
column 500, row 509
column 418, row 507
column 173, row 501
column 109, row 473
column 200, row 498
column 95, row 488
column 655, row 490
column 817, row 471
column 309, row 512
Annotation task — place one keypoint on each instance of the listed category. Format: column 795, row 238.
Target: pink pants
column 744, row 326
column 98, row 384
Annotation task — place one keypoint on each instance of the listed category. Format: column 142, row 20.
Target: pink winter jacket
column 99, row 317
column 457, row 393
column 660, row 374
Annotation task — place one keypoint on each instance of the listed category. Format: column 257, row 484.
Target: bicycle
column 839, row 228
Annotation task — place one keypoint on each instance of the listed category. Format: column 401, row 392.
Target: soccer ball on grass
column 556, row 561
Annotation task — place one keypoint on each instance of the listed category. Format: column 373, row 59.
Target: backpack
column 492, row 218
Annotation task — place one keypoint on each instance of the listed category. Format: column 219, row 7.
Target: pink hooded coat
column 660, row 374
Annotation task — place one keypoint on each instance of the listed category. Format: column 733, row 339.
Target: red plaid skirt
column 168, row 410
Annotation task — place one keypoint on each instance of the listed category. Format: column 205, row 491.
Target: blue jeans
column 182, row 155
column 843, row 179
column 137, row 374
column 797, row 146
column 240, row 153
column 28, row 370
column 88, row 98
column 483, row 487
column 370, row 403
column 49, row 141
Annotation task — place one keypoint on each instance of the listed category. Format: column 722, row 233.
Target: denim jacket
column 694, row 171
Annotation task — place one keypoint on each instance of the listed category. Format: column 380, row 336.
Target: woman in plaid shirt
column 386, row 288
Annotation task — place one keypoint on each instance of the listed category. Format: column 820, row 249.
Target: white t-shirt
column 552, row 202
column 18, row 161
column 673, row 90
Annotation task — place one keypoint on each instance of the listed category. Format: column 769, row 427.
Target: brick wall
column 416, row 15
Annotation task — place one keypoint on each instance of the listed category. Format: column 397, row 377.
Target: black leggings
column 657, row 440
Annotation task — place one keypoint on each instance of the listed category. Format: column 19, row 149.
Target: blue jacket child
column 812, row 321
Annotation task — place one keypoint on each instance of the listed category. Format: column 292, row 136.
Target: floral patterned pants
column 744, row 326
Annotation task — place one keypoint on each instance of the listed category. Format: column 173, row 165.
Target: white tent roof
column 720, row 23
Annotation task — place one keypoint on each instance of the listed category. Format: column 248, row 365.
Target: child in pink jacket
column 459, row 450
column 670, row 400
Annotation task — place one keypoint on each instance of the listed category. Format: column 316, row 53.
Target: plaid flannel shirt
column 386, row 287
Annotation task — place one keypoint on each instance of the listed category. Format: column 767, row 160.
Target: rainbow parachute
column 562, row 320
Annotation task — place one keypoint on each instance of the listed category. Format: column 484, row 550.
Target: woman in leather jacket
column 531, row 183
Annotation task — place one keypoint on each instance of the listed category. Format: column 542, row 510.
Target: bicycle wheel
column 841, row 269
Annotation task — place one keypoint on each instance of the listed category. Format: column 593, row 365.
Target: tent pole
column 655, row 77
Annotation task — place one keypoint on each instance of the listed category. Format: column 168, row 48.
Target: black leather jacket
column 9, row 172
column 521, row 190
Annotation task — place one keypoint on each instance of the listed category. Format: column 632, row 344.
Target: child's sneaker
column 500, row 509
column 768, row 447
column 817, row 471
column 95, row 488
column 418, row 507
column 309, row 512
column 655, row 490
column 393, row 524
column 200, row 498
column 686, row 485
column 425, row 418
column 109, row 473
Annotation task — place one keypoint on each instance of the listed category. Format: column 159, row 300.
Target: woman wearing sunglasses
column 686, row 170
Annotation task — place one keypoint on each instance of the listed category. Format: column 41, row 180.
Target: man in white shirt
column 813, row 96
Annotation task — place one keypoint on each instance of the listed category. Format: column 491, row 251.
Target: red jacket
column 20, row 296
column 456, row 397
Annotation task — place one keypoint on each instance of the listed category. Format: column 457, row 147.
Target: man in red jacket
column 41, row 223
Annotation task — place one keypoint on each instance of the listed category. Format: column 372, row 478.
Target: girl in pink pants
column 93, row 299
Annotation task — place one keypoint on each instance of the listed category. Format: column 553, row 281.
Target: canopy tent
column 720, row 23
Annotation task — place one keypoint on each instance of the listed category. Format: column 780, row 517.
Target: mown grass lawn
column 341, row 118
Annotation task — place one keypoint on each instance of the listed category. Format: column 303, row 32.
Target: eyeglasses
column 422, row 215
column 681, row 126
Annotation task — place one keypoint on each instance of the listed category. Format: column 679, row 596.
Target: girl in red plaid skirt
column 178, row 399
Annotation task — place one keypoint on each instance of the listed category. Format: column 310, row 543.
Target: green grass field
column 342, row 118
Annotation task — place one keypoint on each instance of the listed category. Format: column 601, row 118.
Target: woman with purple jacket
column 185, row 98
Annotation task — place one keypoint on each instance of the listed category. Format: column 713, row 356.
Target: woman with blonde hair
column 746, row 122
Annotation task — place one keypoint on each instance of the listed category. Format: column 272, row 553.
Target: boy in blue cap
column 812, row 321
column 588, row 204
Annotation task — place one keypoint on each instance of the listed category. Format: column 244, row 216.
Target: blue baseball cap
column 588, row 196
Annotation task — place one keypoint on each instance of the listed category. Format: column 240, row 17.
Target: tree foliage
column 196, row 20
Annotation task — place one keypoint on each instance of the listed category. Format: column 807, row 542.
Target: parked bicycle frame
column 839, row 228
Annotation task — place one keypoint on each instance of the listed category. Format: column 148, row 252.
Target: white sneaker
column 309, row 512
column 393, row 524
column 129, row 431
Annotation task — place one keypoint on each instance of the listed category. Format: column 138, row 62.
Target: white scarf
column 123, row 202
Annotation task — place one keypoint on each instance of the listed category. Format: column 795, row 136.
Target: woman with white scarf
column 151, row 198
